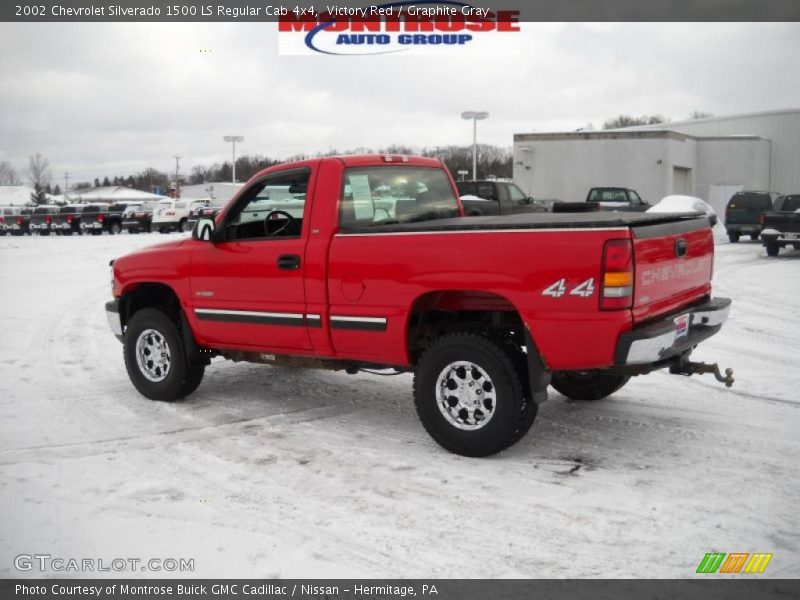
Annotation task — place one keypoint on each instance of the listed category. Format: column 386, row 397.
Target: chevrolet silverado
column 301, row 269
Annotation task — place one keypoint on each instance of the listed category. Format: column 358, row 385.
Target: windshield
column 397, row 194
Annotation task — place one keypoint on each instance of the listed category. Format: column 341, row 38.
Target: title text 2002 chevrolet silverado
column 302, row 269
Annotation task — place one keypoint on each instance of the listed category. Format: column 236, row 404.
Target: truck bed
column 530, row 221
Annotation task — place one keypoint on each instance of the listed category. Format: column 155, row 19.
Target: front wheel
column 469, row 395
column 733, row 237
column 115, row 229
column 184, row 225
column 155, row 357
column 587, row 385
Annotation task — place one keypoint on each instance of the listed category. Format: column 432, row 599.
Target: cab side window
column 272, row 208
column 515, row 194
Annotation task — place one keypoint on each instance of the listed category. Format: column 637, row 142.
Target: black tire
column 183, row 225
column 587, row 385
column 181, row 378
column 772, row 248
column 44, row 233
column 115, row 229
column 513, row 412
column 733, row 237
column 796, row 246
column 754, row 236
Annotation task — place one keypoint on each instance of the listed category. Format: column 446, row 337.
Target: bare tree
column 8, row 175
column 628, row 121
column 38, row 171
column 699, row 114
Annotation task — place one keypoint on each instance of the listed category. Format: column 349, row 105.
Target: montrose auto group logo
column 407, row 27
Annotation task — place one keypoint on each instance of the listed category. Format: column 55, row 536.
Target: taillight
column 763, row 219
column 19, row 220
column 2, row 219
column 616, row 291
column 48, row 219
column 69, row 218
column 101, row 218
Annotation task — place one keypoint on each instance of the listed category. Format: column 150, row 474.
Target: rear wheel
column 796, row 246
column 115, row 229
column 772, row 248
column 587, row 385
column 733, row 237
column 469, row 395
column 155, row 357
column 183, row 225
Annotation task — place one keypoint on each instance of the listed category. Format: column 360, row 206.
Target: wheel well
column 437, row 313
column 149, row 295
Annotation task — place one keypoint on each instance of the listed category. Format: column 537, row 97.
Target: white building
column 219, row 192
column 711, row 158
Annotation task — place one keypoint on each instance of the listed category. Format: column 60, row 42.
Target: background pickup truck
column 301, row 269
column 781, row 227
column 68, row 220
column 605, row 198
column 495, row 198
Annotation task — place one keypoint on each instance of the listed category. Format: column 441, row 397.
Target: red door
column 247, row 288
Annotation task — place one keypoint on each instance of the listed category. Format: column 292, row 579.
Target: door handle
column 288, row 262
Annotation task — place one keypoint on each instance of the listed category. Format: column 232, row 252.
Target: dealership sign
column 399, row 28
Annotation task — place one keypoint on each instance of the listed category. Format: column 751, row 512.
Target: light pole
column 233, row 139
column 475, row 116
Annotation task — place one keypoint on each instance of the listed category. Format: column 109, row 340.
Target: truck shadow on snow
column 568, row 438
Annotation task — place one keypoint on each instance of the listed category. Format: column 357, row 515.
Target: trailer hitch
column 688, row 368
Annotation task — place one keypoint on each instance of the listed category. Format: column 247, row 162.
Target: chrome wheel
column 465, row 395
column 152, row 355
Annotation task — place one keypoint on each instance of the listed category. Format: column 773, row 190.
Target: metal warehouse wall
column 565, row 166
column 782, row 128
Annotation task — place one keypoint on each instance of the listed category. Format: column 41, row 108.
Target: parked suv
column 743, row 214
column 138, row 217
column 68, row 220
column 173, row 215
column 93, row 218
column 200, row 210
column 115, row 217
column 42, row 217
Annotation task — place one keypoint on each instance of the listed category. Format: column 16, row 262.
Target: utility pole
column 233, row 139
column 66, row 183
column 177, row 177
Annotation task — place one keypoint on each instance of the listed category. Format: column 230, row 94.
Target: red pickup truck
column 367, row 262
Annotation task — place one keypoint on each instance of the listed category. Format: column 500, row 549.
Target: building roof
column 116, row 193
column 763, row 113
column 15, row 195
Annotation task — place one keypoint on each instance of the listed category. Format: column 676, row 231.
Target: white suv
column 173, row 215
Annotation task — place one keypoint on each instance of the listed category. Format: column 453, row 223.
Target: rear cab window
column 751, row 201
column 395, row 194
column 788, row 203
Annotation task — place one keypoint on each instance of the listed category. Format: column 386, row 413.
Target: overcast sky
column 113, row 99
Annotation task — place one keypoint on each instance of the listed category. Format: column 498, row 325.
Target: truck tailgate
column 673, row 266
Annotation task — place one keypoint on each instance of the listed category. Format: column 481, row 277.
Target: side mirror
column 203, row 230
column 528, row 200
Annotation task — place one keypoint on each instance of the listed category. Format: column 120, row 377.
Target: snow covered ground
column 272, row 472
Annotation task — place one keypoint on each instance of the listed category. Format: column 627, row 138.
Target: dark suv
column 743, row 214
